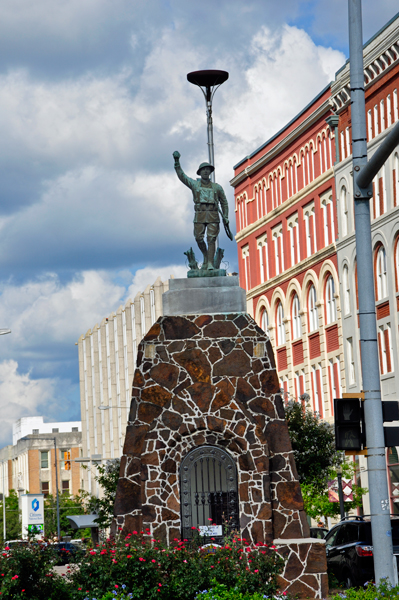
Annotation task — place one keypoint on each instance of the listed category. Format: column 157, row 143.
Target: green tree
column 13, row 519
column 313, row 444
column 69, row 505
column 107, row 476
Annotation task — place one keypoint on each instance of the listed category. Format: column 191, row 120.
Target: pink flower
column 256, row 571
column 153, row 560
column 117, row 586
column 134, row 532
column 142, row 559
column 184, row 561
column 129, row 556
column 15, row 577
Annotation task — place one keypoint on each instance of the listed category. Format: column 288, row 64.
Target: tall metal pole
column 211, row 148
column 378, row 485
column 57, row 492
column 4, row 506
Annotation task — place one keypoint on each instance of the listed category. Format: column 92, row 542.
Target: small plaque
column 211, row 530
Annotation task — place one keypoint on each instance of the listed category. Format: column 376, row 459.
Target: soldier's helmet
column 205, row 164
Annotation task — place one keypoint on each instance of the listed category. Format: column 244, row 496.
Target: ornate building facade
column 286, row 234
column 381, row 70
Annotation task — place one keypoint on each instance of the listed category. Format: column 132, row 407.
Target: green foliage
column 370, row 591
column 69, row 505
column 107, row 476
column 219, row 591
column 13, row 521
column 316, row 459
column 317, row 504
column 25, row 572
column 313, row 443
column 152, row 571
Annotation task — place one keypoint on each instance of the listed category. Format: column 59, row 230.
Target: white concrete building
column 107, row 359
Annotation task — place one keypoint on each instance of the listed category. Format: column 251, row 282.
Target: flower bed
column 141, row 567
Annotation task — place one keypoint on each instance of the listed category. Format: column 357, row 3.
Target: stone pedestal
column 204, row 295
column 210, row 380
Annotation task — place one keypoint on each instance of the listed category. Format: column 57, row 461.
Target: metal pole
column 378, row 485
column 211, row 148
column 4, row 506
column 57, row 492
column 341, row 496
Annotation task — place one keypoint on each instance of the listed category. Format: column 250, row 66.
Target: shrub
column 26, row 572
column 152, row 571
column 370, row 591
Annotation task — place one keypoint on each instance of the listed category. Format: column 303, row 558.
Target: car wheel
column 348, row 580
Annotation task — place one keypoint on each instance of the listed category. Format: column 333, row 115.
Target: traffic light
column 67, row 459
column 349, row 424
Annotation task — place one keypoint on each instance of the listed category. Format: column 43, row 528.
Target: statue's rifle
column 226, row 225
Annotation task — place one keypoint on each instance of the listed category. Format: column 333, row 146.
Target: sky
column 93, row 101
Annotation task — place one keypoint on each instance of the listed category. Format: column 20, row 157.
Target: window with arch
column 381, row 273
column 346, row 289
column 395, row 175
column 397, row 264
column 296, row 318
column 344, row 210
column 331, row 307
column 312, row 309
column 280, row 329
column 264, row 321
column 152, row 306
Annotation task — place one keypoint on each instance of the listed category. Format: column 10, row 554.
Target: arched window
column 397, row 264
column 346, row 289
column 331, row 308
column 396, row 179
column 264, row 321
column 344, row 210
column 381, row 273
column 296, row 318
column 280, row 324
column 312, row 309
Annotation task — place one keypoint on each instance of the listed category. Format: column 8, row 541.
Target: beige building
column 28, row 465
column 107, row 359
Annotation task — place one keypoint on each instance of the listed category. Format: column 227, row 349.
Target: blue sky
column 93, row 101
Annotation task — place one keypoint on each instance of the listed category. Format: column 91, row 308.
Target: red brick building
column 286, row 232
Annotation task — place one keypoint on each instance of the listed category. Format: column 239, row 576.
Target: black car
column 349, row 548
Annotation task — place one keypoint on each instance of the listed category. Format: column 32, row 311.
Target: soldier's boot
column 211, row 255
column 204, row 250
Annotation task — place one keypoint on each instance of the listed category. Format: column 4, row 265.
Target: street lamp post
column 209, row 81
column 4, row 502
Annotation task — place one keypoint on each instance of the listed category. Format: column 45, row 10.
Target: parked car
column 65, row 552
column 349, row 549
column 318, row 532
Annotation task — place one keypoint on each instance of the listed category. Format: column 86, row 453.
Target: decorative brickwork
column 208, row 379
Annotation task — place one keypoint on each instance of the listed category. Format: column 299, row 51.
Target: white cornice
column 279, row 210
column 375, row 56
column 289, row 139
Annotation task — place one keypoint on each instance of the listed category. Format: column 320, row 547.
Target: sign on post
column 32, row 506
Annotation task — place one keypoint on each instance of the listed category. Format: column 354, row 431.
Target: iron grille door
column 208, row 492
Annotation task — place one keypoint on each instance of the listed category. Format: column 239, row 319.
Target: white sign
column 211, row 530
column 32, row 506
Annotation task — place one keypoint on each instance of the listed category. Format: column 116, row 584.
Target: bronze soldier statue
column 207, row 196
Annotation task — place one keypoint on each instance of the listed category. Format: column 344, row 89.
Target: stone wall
column 305, row 572
column 208, row 379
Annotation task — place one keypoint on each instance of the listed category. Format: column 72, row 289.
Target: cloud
column 22, row 396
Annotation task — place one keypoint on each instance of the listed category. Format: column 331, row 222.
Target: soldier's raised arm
column 180, row 173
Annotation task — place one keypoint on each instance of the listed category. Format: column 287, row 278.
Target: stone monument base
column 204, row 295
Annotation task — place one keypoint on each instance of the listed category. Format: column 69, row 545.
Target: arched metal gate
column 208, row 493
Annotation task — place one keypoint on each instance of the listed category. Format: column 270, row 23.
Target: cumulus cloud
column 23, row 396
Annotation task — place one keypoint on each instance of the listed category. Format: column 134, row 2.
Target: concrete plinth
column 207, row 295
